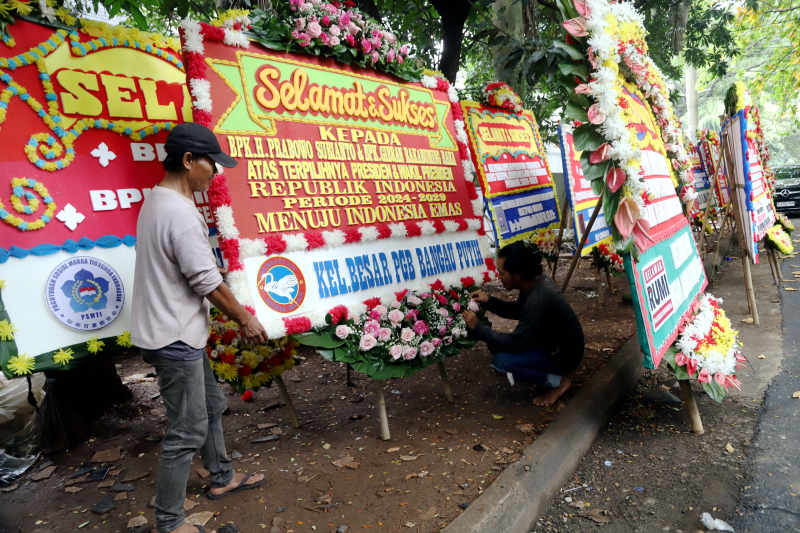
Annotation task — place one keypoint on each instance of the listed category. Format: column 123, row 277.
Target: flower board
column 349, row 188
column 702, row 181
column 84, row 111
column 582, row 199
column 708, row 149
column 512, row 168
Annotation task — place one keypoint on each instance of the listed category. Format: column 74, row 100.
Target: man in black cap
column 176, row 276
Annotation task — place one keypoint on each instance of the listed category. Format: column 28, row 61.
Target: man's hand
column 251, row 330
column 222, row 270
column 470, row 318
column 480, row 297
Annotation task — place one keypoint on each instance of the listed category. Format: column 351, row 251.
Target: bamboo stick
column 608, row 280
column 287, row 400
column 448, row 392
column 385, row 435
column 585, row 236
column 564, row 213
column 690, row 406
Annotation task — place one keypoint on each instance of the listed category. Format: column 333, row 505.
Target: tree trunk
column 369, row 7
column 508, row 16
column 454, row 15
column 691, row 101
column 681, row 18
column 531, row 20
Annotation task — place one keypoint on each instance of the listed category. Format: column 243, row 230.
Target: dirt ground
column 441, row 456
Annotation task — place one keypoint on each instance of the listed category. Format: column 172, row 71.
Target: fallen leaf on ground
column 188, row 504
column 392, row 450
column 748, row 320
column 347, row 462
column 137, row 521
column 506, row 450
column 525, row 428
column 789, row 289
column 266, row 426
column 408, row 457
column 729, row 448
column 105, row 456
column 73, row 490
column 796, row 394
column 497, row 417
column 326, row 446
column 599, row 516
column 199, row 519
column 762, row 356
column 44, row 474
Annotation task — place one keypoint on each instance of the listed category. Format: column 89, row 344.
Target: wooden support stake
column 287, row 400
column 564, row 213
column 690, row 405
column 721, row 233
column 585, row 236
column 608, row 280
column 599, row 280
column 448, row 392
column 385, row 435
column 348, row 383
column 773, row 265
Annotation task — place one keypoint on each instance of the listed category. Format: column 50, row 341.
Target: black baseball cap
column 197, row 139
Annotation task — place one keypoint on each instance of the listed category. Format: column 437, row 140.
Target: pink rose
column 396, row 316
column 395, row 304
column 353, row 28
column 366, row 45
column 448, row 340
column 316, row 2
column 409, row 353
column 436, row 341
column 456, row 332
column 442, row 300
column 330, row 8
column 400, row 60
column 325, row 38
column 375, row 57
column 367, row 343
column 343, row 331
column 350, row 39
column 390, row 56
column 308, row 6
column 413, row 300
column 443, row 312
column 374, row 314
column 344, row 20
column 372, row 327
column 420, row 327
column 326, row 20
column 407, row 335
column 412, row 315
column 456, row 307
column 376, row 43
column 426, row 348
column 442, row 330
column 385, row 334
column 396, row 352
column 335, row 30
column 314, row 29
column 300, row 24
column 449, row 320
column 390, row 37
column 381, row 309
column 334, row 41
column 377, row 33
column 473, row 306
column 404, row 50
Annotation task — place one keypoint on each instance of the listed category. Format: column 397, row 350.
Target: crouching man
column 547, row 344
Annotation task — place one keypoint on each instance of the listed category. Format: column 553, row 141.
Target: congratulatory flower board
column 349, row 188
column 84, row 114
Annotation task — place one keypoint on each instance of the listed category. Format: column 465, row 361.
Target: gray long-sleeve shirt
column 546, row 322
column 175, row 270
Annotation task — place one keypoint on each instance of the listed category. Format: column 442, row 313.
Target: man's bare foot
column 550, row 397
column 188, row 528
column 237, row 478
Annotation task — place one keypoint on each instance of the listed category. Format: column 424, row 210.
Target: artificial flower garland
column 778, row 239
column 543, row 240
column 7, row 330
column 784, row 221
column 246, row 366
column 708, row 347
column 235, row 250
column 21, row 364
column 605, row 257
column 17, row 186
column 499, row 94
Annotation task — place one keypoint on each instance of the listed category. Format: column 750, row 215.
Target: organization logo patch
column 85, row 293
column 281, row 284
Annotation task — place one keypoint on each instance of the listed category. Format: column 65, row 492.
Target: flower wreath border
column 234, row 249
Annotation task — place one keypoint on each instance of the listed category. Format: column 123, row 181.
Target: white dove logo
column 284, row 287
column 281, row 284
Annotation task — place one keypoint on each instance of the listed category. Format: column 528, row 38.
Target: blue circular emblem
column 281, row 284
column 85, row 293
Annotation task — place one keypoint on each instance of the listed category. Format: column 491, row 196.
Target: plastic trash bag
column 18, row 447
column 715, row 524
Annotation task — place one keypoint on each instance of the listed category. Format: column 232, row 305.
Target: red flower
column 467, row 281
column 298, row 324
column 202, row 117
column 264, row 366
column 195, row 66
column 401, row 294
column 337, row 313
column 230, row 250
column 218, row 193
column 486, row 278
column 439, row 226
column 275, row 244
column 350, row 3
column 315, row 240
column 244, row 371
column 214, row 34
column 227, row 358
column 384, row 232
column 490, row 263
column 413, row 229
column 248, row 394
column 237, row 26
column 437, row 285
column 471, row 191
column 352, row 235
column 372, row 303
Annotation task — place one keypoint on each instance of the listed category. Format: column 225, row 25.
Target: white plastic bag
column 715, row 524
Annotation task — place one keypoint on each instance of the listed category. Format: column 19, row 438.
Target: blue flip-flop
column 241, row 486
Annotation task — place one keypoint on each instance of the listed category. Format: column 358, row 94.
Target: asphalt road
column 772, row 501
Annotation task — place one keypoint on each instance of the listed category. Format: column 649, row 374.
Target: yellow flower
column 95, row 345
column 3, row 282
column 62, row 356
column 7, row 330
column 227, row 371
column 21, row 364
column 230, row 350
column 124, row 340
column 250, row 358
column 22, row 7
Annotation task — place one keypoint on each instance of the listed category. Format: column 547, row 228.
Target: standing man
column 175, row 274
column 547, row 343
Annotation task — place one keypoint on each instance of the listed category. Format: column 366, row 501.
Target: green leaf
column 574, row 69
column 597, row 186
column 324, row 339
column 587, row 137
column 576, row 112
column 573, row 52
column 611, row 204
column 714, row 390
column 327, row 354
column 580, row 99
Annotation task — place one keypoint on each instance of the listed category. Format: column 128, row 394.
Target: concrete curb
column 724, row 248
column 517, row 498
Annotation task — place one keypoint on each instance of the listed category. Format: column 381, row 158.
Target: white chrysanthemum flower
column 398, row 230
column 368, row 233
column 225, row 223
column 333, row 238
column 275, row 329
column 295, row 242
column 252, row 248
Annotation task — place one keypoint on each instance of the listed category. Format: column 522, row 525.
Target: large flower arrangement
column 605, row 257
column 405, row 336
column 333, row 29
column 246, row 366
column 611, row 35
column 499, row 94
column 779, row 240
column 708, row 349
column 784, row 221
column 544, row 241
